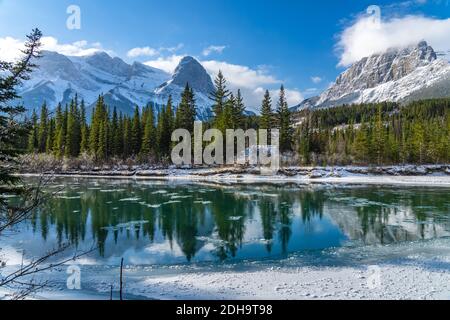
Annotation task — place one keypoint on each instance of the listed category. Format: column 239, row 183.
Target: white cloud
column 239, row 75
column 167, row 64
column 144, row 51
column 10, row 47
column 252, row 82
column 366, row 37
column 293, row 97
column 316, row 80
column 79, row 48
column 213, row 49
column 172, row 49
column 310, row 91
column 152, row 52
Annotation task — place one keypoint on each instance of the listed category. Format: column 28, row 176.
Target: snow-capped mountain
column 189, row 71
column 124, row 86
column 398, row 75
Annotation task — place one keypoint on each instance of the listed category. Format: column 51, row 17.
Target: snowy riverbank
column 435, row 175
column 400, row 271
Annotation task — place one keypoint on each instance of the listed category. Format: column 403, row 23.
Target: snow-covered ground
column 401, row 271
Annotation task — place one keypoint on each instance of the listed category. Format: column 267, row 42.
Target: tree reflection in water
column 195, row 216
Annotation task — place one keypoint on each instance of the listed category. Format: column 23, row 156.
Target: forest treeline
column 146, row 135
column 381, row 134
column 365, row 134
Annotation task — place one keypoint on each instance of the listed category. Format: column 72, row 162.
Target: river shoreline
column 412, row 175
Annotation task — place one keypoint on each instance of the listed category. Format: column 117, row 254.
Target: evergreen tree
column 101, row 152
column 59, row 119
column 12, row 130
column 50, row 136
column 136, row 133
column 149, row 140
column 99, row 116
column 127, row 150
column 238, row 111
column 361, row 144
column 73, row 134
column 378, row 138
column 266, row 119
column 418, row 142
column 43, row 128
column 284, row 122
column 84, row 131
column 116, row 134
column 164, row 129
column 219, row 97
column 186, row 111
column 33, row 141
column 62, row 134
column 227, row 118
column 119, row 137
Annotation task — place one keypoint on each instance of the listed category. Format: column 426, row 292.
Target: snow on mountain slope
column 192, row 72
column 398, row 75
column 124, row 86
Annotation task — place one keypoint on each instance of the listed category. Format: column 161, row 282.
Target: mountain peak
column 426, row 52
column 377, row 69
column 60, row 77
column 190, row 71
column 103, row 61
column 188, row 59
column 395, row 75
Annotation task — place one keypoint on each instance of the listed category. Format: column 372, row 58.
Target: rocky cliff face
column 397, row 75
column 189, row 71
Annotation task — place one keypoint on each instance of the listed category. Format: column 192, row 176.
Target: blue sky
column 298, row 43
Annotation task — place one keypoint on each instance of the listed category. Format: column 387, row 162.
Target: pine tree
column 119, row 137
column 284, row 122
column 101, row 152
column 33, row 141
column 99, row 116
column 305, row 141
column 73, row 134
column 84, row 131
column 149, row 140
column 266, row 119
column 59, row 119
column 13, row 132
column 361, row 145
column 127, row 150
column 378, row 138
column 238, row 111
column 136, row 133
column 164, row 129
column 50, row 136
column 115, row 132
column 418, row 142
column 43, row 128
column 186, row 111
column 227, row 119
column 219, row 97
